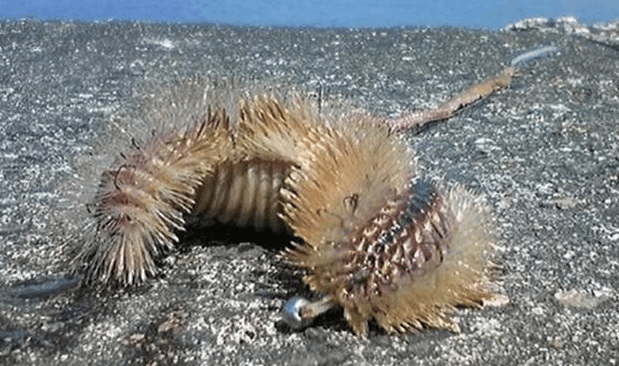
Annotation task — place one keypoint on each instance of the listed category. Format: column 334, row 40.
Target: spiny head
column 408, row 262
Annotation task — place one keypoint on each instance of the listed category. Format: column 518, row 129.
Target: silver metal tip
column 292, row 312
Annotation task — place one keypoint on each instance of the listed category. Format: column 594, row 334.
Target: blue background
column 491, row 14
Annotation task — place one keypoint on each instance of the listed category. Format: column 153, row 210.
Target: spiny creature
column 374, row 238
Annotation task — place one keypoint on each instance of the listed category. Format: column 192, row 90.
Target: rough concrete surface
column 545, row 153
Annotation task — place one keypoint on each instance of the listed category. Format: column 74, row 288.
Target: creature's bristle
column 420, row 255
column 143, row 197
column 374, row 238
column 340, row 182
column 245, row 189
column 455, row 229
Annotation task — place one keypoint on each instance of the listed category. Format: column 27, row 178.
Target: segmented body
column 373, row 238
column 408, row 236
column 245, row 194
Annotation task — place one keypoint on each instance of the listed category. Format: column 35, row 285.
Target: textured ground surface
column 545, row 153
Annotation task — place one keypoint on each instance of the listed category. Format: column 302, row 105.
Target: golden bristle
column 378, row 247
column 143, row 197
column 340, row 181
column 451, row 268
column 373, row 237
column 245, row 188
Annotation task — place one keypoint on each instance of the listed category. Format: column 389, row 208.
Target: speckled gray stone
column 545, row 153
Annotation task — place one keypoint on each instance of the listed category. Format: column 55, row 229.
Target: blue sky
column 324, row 13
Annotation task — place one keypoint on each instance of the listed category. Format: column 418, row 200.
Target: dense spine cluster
column 374, row 238
column 142, row 200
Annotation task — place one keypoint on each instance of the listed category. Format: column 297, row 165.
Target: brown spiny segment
column 408, row 238
column 405, row 238
column 407, row 265
column 245, row 186
column 143, row 197
column 401, row 253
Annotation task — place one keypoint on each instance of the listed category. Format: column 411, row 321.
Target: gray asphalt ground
column 544, row 152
